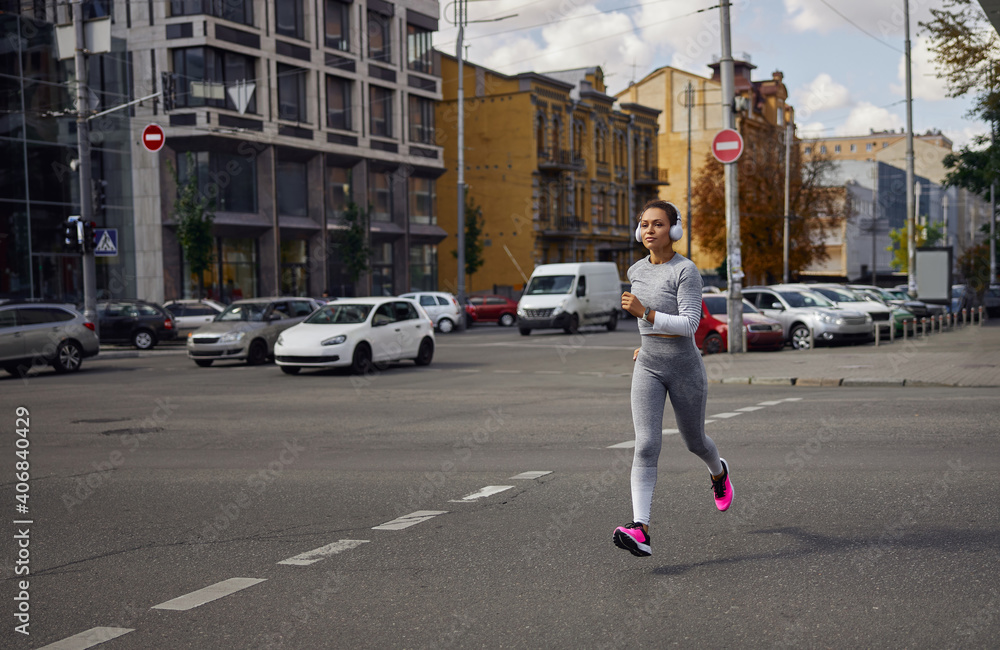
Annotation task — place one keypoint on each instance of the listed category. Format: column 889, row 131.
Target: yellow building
column 556, row 167
column 867, row 147
column 761, row 104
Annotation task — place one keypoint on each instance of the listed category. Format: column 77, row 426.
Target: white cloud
column 964, row 136
column 865, row 116
column 884, row 20
column 820, row 94
column 812, row 130
column 923, row 72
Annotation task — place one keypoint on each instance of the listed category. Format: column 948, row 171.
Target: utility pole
column 788, row 200
column 734, row 263
column 83, row 151
column 911, row 240
column 689, row 94
column 460, row 8
column 874, row 219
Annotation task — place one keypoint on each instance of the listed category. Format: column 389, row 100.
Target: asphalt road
column 862, row 517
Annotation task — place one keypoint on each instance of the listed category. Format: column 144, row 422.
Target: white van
column 570, row 296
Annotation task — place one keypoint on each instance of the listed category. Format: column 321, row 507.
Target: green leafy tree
column 474, row 223
column 353, row 240
column 194, row 219
column 929, row 235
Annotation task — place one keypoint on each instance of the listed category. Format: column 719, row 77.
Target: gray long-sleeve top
column 672, row 290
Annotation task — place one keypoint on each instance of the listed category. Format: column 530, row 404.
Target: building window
column 421, row 120
column 423, row 267
column 288, row 19
column 338, row 25
column 338, row 191
column 293, row 189
column 229, row 180
column 292, row 93
column 868, row 146
column 204, row 73
column 809, row 150
column 822, row 148
column 540, row 133
column 379, row 37
column 382, row 284
column 577, row 138
column 419, row 56
column 854, row 148
column 238, row 11
column 423, row 201
column 885, row 144
column 836, row 148
column 381, row 197
column 381, row 111
column 338, row 103
column 238, row 262
column 601, row 144
column 294, row 268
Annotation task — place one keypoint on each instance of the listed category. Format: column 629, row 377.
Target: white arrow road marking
column 529, row 476
column 489, row 490
column 90, row 638
column 411, row 519
column 208, row 594
column 315, row 555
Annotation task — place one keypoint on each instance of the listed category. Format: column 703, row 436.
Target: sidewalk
column 964, row 356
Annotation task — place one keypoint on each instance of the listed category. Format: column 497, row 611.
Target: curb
column 816, row 382
column 861, row 381
column 773, row 381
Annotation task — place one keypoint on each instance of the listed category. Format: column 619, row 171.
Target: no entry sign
column 152, row 138
column 727, row 145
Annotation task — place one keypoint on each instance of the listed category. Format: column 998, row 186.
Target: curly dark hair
column 666, row 206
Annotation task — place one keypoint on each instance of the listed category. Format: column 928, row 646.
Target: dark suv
column 140, row 323
column 42, row 333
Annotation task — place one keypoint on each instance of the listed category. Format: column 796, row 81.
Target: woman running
column 666, row 298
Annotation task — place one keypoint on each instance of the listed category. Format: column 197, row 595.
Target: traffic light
column 168, row 89
column 88, row 236
column 73, row 234
column 99, row 194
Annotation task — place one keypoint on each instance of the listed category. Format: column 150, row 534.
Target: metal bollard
column 980, row 316
column 923, row 327
column 878, row 333
column 906, row 326
column 963, row 317
column 812, row 339
column 892, row 331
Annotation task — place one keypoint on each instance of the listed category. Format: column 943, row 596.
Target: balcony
column 562, row 226
column 559, row 161
column 654, row 176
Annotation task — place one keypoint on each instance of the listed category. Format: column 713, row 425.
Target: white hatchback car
column 191, row 314
column 358, row 333
column 442, row 307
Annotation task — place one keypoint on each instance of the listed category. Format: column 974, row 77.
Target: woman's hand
column 635, row 355
column 632, row 305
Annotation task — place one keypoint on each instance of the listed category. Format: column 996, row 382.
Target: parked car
column 137, row 322
column 189, row 315
column 925, row 310
column 842, row 296
column 569, row 296
column 442, row 307
column 247, row 330
column 991, row 301
column 712, row 336
column 44, row 333
column 800, row 311
column 470, row 314
column 494, row 309
column 359, row 333
column 961, row 298
column 901, row 317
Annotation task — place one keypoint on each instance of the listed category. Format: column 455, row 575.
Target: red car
column 493, row 309
column 712, row 337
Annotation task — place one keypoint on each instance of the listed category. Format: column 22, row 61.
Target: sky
column 845, row 72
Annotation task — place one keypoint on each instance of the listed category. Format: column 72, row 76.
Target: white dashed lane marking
column 482, row 493
column 530, row 476
column 749, row 409
column 726, row 415
column 411, row 519
column 208, row 594
column 323, row 552
column 90, row 638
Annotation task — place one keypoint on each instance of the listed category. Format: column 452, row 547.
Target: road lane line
column 489, row 490
column 628, row 444
column 749, row 409
column 709, row 421
column 90, row 638
column 726, row 415
column 774, row 402
column 323, row 552
column 792, row 399
column 548, row 372
column 530, row 476
column 208, row 594
column 411, row 519
column 670, row 432
column 508, row 372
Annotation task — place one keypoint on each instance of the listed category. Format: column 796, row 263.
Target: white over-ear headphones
column 676, row 230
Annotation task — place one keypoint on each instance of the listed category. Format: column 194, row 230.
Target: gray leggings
column 667, row 366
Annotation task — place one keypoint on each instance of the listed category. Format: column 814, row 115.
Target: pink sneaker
column 632, row 538
column 723, row 489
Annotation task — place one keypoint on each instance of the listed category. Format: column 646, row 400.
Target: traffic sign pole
column 83, row 152
column 734, row 264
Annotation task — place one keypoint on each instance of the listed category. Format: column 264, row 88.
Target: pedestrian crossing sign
column 106, row 242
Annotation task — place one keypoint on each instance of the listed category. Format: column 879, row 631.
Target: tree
column 817, row 208
column 928, row 235
column 353, row 241
column 194, row 218
column 474, row 223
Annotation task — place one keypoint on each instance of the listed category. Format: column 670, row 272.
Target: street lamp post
column 734, row 264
